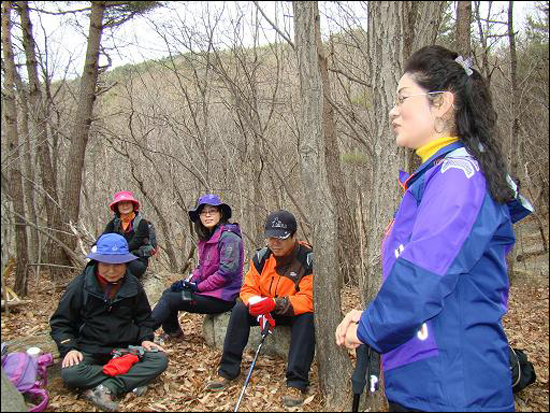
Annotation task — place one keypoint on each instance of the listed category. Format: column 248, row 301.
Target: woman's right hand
column 72, row 358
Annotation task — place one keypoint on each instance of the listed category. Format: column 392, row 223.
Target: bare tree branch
column 284, row 36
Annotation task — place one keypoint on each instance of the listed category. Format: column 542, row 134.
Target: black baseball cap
column 280, row 224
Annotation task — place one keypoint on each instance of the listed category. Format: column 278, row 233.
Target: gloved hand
column 190, row 286
column 177, row 286
column 120, row 365
column 266, row 320
column 263, row 306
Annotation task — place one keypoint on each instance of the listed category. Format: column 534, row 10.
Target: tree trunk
column 385, row 42
column 10, row 113
column 347, row 237
column 333, row 362
column 463, row 25
column 486, row 70
column 389, row 49
column 385, row 45
column 421, row 22
column 515, row 138
column 83, row 119
column 40, row 135
column 29, row 176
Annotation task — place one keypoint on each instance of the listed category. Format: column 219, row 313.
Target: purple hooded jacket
column 221, row 259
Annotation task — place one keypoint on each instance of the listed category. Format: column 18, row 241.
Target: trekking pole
column 185, row 293
column 265, row 333
column 359, row 377
column 373, row 370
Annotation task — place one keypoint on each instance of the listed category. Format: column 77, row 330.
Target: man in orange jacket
column 279, row 283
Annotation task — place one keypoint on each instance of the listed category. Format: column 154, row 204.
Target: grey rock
column 12, row 400
column 214, row 328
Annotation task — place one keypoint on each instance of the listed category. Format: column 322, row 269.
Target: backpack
column 150, row 248
column 29, row 376
column 523, row 372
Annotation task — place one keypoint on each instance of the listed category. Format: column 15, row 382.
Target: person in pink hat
column 129, row 223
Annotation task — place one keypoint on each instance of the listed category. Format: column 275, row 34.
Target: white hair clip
column 480, row 146
column 466, row 64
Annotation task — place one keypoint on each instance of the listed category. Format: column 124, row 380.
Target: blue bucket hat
column 213, row 200
column 111, row 249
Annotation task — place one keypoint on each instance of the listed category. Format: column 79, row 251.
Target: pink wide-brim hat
column 124, row 196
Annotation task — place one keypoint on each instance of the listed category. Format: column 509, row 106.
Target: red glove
column 120, row 365
column 264, row 306
column 264, row 320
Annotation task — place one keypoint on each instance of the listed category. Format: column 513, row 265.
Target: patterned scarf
column 126, row 221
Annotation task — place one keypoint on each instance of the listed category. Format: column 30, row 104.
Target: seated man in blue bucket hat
column 103, row 328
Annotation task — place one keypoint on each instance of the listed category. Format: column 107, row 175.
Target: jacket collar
column 288, row 258
column 216, row 235
column 406, row 180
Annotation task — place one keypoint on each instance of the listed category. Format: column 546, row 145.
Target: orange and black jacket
column 289, row 280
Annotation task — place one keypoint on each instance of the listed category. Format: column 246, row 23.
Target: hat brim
column 112, row 259
column 277, row 233
column 133, row 201
column 194, row 213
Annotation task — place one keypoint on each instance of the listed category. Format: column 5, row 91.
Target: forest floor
column 193, row 363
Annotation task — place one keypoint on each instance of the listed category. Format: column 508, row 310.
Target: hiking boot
column 140, row 391
column 176, row 337
column 294, row 397
column 102, row 397
column 219, row 383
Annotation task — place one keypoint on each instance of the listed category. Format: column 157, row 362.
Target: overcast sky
column 138, row 40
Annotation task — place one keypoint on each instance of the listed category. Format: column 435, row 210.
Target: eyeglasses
column 210, row 212
column 399, row 100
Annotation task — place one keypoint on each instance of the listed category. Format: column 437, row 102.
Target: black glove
column 178, row 286
column 193, row 287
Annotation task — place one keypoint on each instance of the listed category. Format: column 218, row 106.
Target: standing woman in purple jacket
column 216, row 282
column 437, row 319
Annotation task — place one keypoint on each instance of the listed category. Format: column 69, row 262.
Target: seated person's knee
column 73, row 375
column 240, row 308
column 162, row 361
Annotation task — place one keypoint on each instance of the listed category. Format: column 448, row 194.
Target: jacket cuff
column 363, row 335
column 283, row 307
column 64, row 349
column 148, row 336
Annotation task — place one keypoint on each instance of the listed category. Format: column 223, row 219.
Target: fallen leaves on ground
column 193, row 363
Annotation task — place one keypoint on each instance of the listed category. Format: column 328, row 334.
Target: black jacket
column 136, row 237
column 87, row 322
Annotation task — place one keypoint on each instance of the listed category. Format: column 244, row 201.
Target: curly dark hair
column 434, row 68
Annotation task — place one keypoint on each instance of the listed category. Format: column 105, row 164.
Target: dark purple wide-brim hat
column 213, row 200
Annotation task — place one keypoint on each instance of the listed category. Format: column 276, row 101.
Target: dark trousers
column 89, row 373
column 138, row 267
column 300, row 355
column 166, row 311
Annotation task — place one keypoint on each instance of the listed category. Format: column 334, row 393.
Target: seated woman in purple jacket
column 216, row 282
